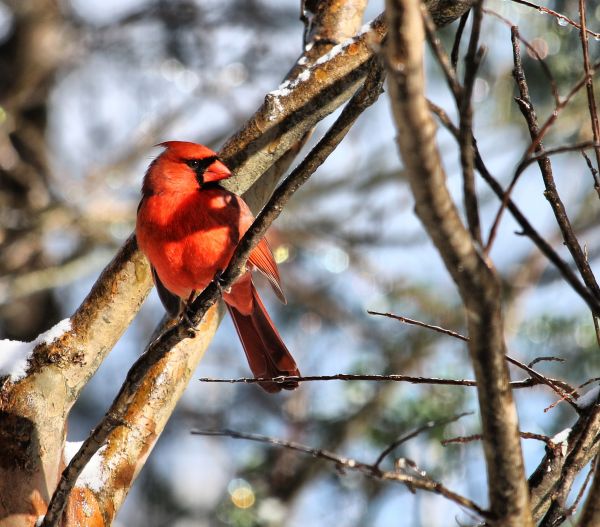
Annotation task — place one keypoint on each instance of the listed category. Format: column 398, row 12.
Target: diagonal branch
column 551, row 192
column 589, row 86
column 465, row 113
column 591, row 509
column 527, row 228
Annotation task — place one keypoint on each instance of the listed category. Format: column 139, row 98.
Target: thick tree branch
column 552, row 480
column 477, row 282
column 591, row 509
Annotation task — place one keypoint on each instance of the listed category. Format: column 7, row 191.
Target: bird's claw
column 220, row 283
column 184, row 316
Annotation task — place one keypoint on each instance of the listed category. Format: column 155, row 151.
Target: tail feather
column 266, row 353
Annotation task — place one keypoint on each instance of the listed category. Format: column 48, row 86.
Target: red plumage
column 188, row 226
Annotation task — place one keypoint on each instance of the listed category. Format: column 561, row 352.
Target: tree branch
column 414, row 479
column 477, row 282
column 551, row 192
column 527, row 228
column 549, row 492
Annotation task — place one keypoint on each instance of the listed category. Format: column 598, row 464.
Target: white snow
column 286, row 87
column 562, row 439
column 93, row 475
column 14, row 354
column 366, row 28
column 588, row 398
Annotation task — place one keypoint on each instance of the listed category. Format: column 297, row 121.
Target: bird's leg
column 184, row 316
column 219, row 282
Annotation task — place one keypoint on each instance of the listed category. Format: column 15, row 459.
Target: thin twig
column 589, row 85
column 419, row 480
column 457, row 38
column 527, row 228
column 525, row 383
column 417, row 431
column 593, row 171
column 551, row 191
column 545, row 359
column 414, row 322
column 542, row 379
column 157, row 349
column 565, row 394
column 573, row 508
column 479, row 437
column 564, row 101
column 465, row 114
column 557, row 15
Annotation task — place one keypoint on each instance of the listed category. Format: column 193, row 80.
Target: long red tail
column 266, row 353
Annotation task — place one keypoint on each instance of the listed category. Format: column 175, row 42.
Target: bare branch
column 477, row 282
column 527, row 228
column 457, row 38
column 525, row 383
column 551, row 192
column 556, row 14
column 465, row 114
column 593, row 171
column 414, row 433
column 590, row 515
column 419, row 480
column 414, row 322
column 589, row 84
column 479, row 437
column 560, row 387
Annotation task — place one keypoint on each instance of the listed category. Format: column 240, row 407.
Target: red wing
column 262, row 258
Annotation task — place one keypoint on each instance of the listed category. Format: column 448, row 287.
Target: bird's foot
column 220, row 283
column 185, row 315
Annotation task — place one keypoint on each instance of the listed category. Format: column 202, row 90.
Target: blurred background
column 86, row 89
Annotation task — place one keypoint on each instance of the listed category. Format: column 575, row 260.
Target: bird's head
column 184, row 167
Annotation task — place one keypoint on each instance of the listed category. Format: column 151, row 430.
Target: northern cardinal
column 189, row 226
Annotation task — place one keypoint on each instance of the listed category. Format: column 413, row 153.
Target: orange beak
column 216, row 171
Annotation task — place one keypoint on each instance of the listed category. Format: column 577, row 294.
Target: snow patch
column 286, row 87
column 93, row 475
column 562, row 439
column 14, row 354
column 588, row 398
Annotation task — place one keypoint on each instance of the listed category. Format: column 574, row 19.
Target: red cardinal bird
column 188, row 226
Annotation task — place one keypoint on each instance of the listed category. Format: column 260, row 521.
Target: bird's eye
column 193, row 163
